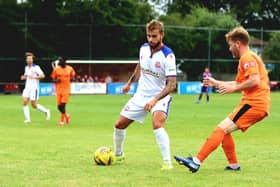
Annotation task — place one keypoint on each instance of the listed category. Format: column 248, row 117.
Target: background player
column 61, row 76
column 156, row 67
column 204, row 87
column 252, row 80
column 32, row 75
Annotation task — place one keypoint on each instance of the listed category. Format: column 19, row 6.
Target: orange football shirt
column 64, row 75
column 259, row 96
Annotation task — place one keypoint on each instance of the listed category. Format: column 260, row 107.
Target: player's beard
column 235, row 54
column 29, row 63
column 155, row 46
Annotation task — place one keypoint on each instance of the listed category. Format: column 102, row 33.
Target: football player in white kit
column 32, row 75
column 156, row 75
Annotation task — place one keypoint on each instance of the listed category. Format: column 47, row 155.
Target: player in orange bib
column 62, row 75
column 252, row 80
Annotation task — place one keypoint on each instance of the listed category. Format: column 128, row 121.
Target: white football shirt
column 155, row 68
column 34, row 70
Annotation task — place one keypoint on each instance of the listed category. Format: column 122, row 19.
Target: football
column 104, row 156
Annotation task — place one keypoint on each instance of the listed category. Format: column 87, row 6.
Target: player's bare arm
column 209, row 81
column 134, row 77
column 54, row 64
column 170, row 87
column 38, row 77
column 56, row 80
column 41, row 76
column 252, row 81
column 23, row 77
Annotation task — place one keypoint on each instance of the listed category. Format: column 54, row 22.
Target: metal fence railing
column 193, row 46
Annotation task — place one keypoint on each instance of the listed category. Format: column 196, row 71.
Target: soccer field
column 43, row 154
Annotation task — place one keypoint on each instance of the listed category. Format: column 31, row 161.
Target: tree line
column 114, row 29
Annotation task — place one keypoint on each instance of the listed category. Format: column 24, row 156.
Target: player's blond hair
column 238, row 34
column 155, row 24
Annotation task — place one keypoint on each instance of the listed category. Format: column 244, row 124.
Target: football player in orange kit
column 252, row 80
column 62, row 75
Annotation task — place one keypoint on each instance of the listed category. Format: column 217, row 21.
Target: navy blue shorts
column 204, row 89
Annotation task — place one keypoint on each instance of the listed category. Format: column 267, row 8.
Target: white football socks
column 196, row 160
column 26, row 113
column 41, row 108
column 163, row 142
column 118, row 137
column 234, row 166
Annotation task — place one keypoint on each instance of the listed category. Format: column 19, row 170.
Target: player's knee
column 157, row 126
column 158, row 121
column 34, row 105
column 228, row 126
column 123, row 123
column 119, row 125
column 58, row 108
column 61, row 108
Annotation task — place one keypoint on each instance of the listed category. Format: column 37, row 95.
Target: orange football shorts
column 244, row 116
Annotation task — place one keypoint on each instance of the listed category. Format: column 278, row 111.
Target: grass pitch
column 43, row 154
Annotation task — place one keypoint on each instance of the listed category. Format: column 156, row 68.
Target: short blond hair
column 238, row 34
column 155, row 24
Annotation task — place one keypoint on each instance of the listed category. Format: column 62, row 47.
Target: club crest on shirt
column 126, row 108
column 249, row 64
column 157, row 64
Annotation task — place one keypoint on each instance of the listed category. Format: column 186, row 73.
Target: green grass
column 43, row 154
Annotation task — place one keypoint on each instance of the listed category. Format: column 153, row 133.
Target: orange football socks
column 62, row 117
column 211, row 143
column 229, row 149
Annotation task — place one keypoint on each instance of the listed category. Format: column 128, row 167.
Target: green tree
column 93, row 29
column 10, row 33
column 271, row 52
column 181, row 6
column 250, row 13
column 191, row 41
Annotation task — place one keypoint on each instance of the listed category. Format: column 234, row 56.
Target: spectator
column 95, row 79
column 108, row 78
column 90, row 79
